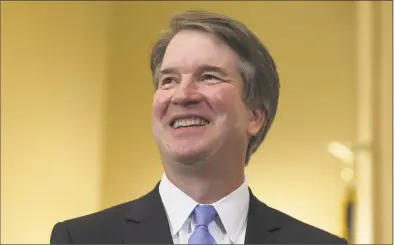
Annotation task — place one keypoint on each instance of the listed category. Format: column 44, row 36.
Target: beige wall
column 374, row 85
column 53, row 72
column 384, row 120
column 76, row 96
column 313, row 44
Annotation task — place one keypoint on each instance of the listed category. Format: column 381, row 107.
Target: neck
column 205, row 186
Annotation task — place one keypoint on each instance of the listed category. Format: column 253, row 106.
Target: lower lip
column 191, row 130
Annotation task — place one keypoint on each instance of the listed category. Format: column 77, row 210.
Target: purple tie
column 203, row 216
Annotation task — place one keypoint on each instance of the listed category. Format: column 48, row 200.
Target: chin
column 188, row 156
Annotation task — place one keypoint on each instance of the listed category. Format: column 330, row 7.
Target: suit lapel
column 261, row 224
column 147, row 222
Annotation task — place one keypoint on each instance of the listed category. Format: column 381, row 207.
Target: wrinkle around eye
column 212, row 79
column 167, row 82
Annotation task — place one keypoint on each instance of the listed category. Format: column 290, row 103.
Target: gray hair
column 257, row 68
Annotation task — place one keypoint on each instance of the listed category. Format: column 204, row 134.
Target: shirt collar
column 179, row 206
column 233, row 210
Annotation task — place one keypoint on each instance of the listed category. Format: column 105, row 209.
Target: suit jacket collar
column 146, row 222
column 262, row 223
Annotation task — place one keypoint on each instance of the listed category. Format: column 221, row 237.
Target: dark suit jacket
column 144, row 221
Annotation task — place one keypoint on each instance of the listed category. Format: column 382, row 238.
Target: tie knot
column 204, row 214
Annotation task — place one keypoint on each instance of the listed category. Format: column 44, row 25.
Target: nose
column 187, row 93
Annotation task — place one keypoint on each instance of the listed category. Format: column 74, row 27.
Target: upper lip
column 175, row 117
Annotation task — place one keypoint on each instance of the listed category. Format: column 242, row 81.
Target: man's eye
column 209, row 77
column 167, row 80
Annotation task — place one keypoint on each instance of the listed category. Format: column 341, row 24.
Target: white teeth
column 189, row 122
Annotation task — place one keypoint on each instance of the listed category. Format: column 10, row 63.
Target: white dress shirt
column 229, row 227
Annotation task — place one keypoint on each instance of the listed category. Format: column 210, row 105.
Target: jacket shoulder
column 296, row 230
column 97, row 227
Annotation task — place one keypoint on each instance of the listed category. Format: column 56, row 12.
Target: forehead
column 191, row 49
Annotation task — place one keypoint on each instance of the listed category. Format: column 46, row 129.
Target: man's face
column 198, row 109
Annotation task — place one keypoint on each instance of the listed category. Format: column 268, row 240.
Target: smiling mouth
column 189, row 122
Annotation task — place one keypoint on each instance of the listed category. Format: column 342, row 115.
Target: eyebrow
column 201, row 69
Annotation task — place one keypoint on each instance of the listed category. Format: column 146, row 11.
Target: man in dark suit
column 216, row 96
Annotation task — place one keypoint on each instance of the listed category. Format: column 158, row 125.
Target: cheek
column 160, row 104
column 229, row 105
column 226, row 100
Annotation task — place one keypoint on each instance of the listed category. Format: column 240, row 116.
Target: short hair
column 256, row 66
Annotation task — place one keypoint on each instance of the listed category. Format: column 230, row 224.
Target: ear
column 256, row 121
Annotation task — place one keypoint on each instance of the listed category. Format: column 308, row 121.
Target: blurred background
column 76, row 96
